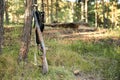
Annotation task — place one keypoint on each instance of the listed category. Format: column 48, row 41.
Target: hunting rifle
column 40, row 37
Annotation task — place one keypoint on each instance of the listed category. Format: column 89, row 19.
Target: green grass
column 100, row 59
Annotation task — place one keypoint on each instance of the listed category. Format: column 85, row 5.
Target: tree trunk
column 112, row 15
column 115, row 12
column 96, row 13
column 42, row 7
column 6, row 12
column 1, row 23
column 104, row 21
column 51, row 11
column 26, row 36
column 72, row 11
column 82, row 10
column 57, row 5
column 48, row 14
column 86, row 11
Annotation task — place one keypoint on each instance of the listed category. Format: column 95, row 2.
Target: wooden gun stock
column 44, row 60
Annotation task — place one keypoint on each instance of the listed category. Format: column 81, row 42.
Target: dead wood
column 74, row 25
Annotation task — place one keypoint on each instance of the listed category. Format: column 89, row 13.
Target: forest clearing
column 59, row 39
column 69, row 57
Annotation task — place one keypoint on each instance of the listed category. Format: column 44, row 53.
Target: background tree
column 57, row 6
column 86, row 11
column 1, row 23
column 51, row 11
column 96, row 13
column 114, row 14
column 82, row 10
column 61, row 11
column 48, row 12
column 6, row 12
column 14, row 10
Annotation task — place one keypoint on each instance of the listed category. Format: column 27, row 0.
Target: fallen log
column 75, row 25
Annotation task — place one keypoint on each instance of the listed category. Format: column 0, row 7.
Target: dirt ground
column 83, row 33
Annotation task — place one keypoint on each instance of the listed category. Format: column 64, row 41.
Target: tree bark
column 57, row 5
column 26, row 36
column 6, row 12
column 82, row 10
column 48, row 14
column 86, row 11
column 1, row 23
column 96, row 13
column 112, row 15
column 104, row 21
column 51, row 11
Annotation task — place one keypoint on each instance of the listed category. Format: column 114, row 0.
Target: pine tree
column 1, row 23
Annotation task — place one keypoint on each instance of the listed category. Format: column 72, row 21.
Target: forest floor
column 82, row 54
column 86, row 34
column 83, row 33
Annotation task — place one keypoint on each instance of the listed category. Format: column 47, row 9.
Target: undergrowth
column 100, row 59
